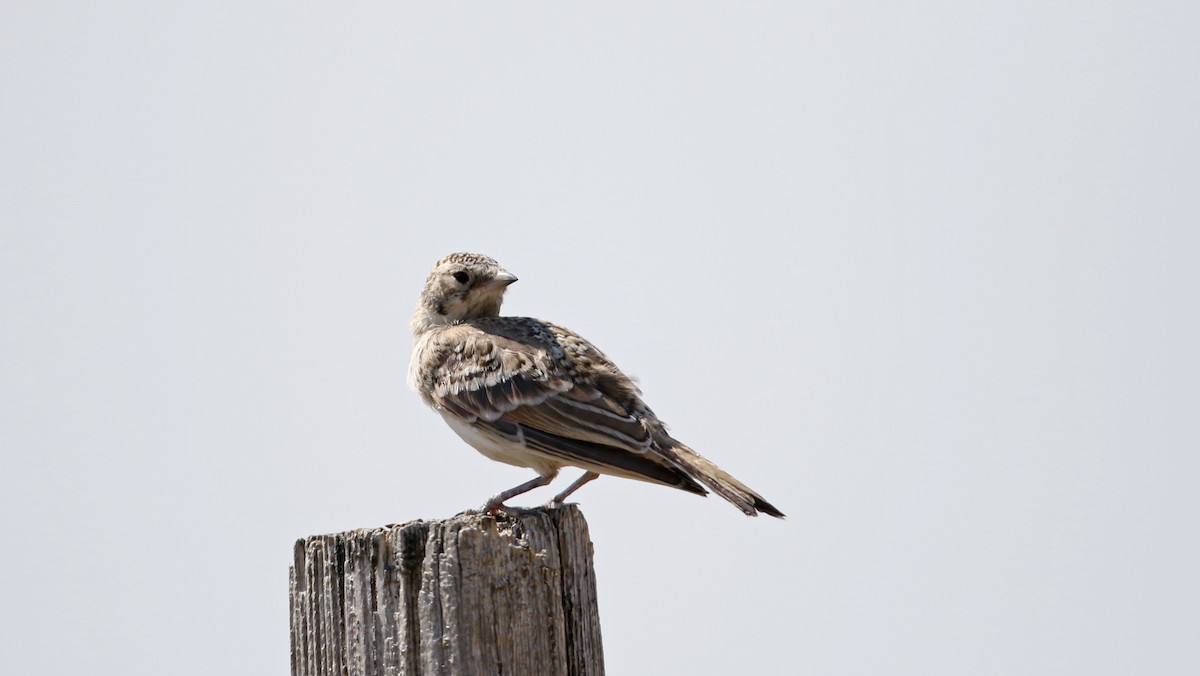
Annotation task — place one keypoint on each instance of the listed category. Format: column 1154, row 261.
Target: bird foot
column 496, row 508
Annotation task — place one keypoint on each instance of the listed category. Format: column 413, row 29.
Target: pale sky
column 922, row 274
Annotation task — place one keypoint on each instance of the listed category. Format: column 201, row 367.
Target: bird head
column 461, row 286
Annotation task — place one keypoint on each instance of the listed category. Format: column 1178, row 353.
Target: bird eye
column 462, row 277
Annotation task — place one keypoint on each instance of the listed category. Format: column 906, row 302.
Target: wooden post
column 469, row 595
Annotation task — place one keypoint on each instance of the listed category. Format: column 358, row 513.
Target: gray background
column 922, row 274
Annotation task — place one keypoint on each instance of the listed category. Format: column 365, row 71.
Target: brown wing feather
column 500, row 382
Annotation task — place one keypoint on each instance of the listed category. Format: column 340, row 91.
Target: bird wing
column 534, row 394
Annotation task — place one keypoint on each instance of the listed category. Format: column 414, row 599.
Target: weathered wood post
column 469, row 595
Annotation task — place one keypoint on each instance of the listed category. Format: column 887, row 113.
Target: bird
column 530, row 393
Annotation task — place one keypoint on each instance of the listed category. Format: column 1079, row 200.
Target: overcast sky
column 922, row 274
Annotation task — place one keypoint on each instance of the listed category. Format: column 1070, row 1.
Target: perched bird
column 533, row 394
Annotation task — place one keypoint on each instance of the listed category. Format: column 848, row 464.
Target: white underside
column 501, row 450
column 509, row 453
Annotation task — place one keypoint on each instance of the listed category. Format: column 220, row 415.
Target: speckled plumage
column 533, row 394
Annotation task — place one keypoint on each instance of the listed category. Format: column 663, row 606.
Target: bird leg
column 496, row 502
column 558, row 499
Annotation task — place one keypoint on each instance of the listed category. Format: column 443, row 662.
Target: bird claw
column 497, row 508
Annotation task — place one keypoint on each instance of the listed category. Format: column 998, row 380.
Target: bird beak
column 503, row 279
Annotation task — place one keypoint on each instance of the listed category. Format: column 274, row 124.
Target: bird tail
column 719, row 481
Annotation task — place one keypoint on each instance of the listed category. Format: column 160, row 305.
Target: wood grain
column 469, row 595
